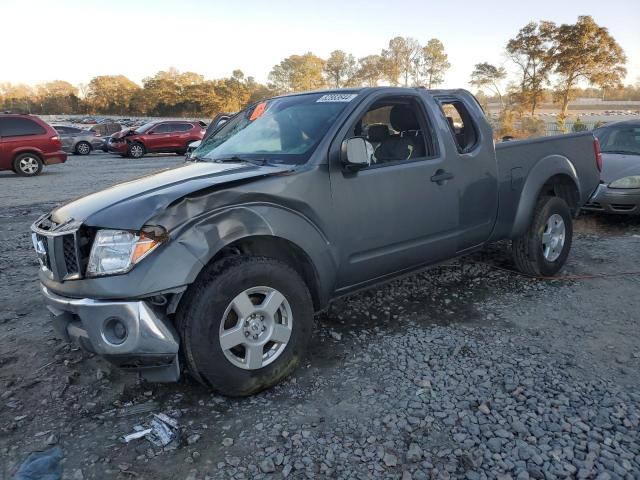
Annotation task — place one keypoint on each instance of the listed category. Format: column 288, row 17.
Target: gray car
column 619, row 189
column 219, row 265
column 79, row 141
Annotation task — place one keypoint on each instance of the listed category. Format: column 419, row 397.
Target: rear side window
column 182, row 127
column 463, row 129
column 17, row 127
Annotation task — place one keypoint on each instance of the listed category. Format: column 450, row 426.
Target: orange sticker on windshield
column 258, row 111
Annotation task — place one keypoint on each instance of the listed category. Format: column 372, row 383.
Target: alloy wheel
column 256, row 327
column 553, row 237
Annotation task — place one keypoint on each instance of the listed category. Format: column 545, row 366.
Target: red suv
column 27, row 143
column 161, row 136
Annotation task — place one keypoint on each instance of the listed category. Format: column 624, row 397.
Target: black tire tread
column 185, row 317
column 524, row 247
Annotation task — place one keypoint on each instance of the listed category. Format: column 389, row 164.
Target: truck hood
column 130, row 205
column 616, row 166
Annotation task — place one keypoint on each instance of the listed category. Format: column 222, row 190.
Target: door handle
column 441, row 177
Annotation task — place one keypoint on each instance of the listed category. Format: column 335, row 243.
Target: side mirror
column 355, row 155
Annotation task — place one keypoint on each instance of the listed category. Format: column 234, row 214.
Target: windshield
column 624, row 139
column 282, row 130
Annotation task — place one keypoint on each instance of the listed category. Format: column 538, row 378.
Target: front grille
column 593, row 205
column 46, row 262
column 58, row 249
column 622, row 207
column 70, row 256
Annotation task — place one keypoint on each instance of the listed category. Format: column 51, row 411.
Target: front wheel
column 136, row 150
column 544, row 248
column 245, row 324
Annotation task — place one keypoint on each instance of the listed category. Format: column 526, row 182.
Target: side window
column 162, row 128
column 182, row 127
column 395, row 130
column 61, row 130
column 461, row 125
column 16, row 126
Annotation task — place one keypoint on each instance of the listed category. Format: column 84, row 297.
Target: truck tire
column 244, row 324
column 544, row 248
column 27, row 165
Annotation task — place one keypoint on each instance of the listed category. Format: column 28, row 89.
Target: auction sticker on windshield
column 337, row 97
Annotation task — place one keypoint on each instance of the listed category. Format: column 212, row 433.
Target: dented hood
column 130, row 205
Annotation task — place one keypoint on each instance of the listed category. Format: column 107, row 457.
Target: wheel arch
column 270, row 231
column 555, row 176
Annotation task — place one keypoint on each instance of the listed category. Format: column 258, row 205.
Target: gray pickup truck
column 219, row 265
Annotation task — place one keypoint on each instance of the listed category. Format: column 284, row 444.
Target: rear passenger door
column 472, row 153
column 181, row 135
column 401, row 211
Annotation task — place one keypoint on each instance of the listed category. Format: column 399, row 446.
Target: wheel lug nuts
column 246, row 334
column 263, row 328
column 255, row 337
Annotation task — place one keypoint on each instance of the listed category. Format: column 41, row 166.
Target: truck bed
column 523, row 159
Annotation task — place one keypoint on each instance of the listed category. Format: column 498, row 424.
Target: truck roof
column 371, row 89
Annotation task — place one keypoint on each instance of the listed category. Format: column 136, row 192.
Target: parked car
column 77, row 140
column 619, row 190
column 27, row 143
column 222, row 262
column 104, row 132
column 159, row 136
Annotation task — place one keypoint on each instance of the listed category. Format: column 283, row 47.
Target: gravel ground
column 463, row 371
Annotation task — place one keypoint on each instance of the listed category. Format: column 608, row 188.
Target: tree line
column 551, row 62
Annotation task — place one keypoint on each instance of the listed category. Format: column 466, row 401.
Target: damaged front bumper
column 130, row 334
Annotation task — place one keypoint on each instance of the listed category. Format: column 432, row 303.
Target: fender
column 207, row 235
column 541, row 172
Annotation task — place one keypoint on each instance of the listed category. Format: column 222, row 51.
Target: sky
column 75, row 40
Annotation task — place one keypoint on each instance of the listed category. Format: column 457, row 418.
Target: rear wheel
column 245, row 324
column 136, row 150
column 83, row 148
column 544, row 248
column 27, row 165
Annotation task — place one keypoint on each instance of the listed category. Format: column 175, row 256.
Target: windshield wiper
column 236, row 159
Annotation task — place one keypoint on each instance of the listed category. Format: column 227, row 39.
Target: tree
column 57, row 97
column 298, row 73
column 530, row 51
column 399, row 59
column 585, row 51
column 111, row 94
column 485, row 75
column 340, row 69
column 17, row 98
column 369, row 71
column 431, row 63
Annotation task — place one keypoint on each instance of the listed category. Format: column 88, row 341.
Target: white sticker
column 337, row 97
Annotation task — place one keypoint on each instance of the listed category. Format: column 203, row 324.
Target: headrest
column 402, row 118
column 378, row 132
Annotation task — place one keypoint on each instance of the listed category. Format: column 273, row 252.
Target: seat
column 377, row 133
column 407, row 143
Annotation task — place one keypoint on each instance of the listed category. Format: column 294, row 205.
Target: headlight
column 117, row 251
column 626, row 182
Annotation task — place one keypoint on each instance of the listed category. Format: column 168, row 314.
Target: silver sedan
column 619, row 189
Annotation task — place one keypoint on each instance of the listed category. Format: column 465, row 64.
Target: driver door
column 393, row 215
